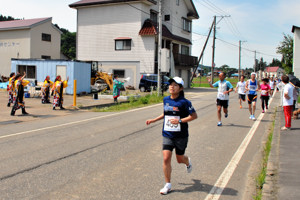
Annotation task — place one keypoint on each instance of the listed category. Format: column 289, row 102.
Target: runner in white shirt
column 272, row 85
column 241, row 89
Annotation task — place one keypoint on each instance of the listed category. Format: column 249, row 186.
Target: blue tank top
column 252, row 86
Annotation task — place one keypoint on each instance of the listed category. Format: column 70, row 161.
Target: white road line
column 77, row 122
column 216, row 191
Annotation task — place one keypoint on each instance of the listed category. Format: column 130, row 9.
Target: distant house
column 273, row 71
column 30, row 38
column 122, row 36
column 296, row 58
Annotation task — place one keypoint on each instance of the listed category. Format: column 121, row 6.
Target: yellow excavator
column 103, row 81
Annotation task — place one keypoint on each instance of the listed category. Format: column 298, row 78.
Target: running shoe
column 166, row 189
column 285, row 128
column 250, row 117
column 241, row 107
column 226, row 115
column 253, row 118
column 189, row 168
column 263, row 111
column 219, row 123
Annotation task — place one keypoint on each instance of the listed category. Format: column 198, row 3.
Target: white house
column 122, row 35
column 30, row 38
column 296, row 52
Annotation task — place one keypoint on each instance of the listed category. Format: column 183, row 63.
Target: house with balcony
column 122, row 36
column 29, row 38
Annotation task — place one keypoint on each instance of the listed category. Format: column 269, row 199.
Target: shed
column 38, row 69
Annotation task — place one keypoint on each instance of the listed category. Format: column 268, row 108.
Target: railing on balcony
column 185, row 60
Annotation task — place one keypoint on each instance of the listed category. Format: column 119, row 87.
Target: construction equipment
column 103, row 81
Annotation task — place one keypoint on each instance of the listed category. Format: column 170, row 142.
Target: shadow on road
column 236, row 125
column 197, row 186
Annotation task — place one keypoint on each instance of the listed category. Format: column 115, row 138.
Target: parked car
column 150, row 80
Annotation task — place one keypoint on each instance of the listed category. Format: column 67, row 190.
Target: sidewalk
column 289, row 161
column 37, row 110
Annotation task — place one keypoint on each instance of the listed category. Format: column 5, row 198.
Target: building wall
column 39, row 47
column 296, row 64
column 13, row 44
column 98, row 27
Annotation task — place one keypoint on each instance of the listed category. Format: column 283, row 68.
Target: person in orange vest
column 11, row 88
column 58, row 89
column 19, row 94
column 46, row 90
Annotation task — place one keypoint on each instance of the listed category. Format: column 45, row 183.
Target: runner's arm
column 189, row 118
column 149, row 121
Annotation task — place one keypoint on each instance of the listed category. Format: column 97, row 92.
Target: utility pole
column 254, row 61
column 240, row 54
column 240, row 59
column 213, row 49
column 159, row 48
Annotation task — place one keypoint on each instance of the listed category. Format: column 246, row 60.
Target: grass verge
column 133, row 103
column 260, row 179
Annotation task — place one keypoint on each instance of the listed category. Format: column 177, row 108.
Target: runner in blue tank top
column 252, row 86
column 177, row 112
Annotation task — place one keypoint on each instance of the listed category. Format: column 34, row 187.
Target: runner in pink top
column 265, row 91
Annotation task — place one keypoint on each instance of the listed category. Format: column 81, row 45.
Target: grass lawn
column 197, row 82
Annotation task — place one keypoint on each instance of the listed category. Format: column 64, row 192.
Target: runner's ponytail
column 181, row 93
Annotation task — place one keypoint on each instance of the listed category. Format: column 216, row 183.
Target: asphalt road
column 90, row 155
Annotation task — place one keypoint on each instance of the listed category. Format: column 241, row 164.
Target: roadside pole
column 74, row 92
column 159, row 49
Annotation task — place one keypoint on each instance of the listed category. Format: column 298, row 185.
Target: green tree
column 261, row 65
column 275, row 62
column 68, row 43
column 224, row 68
column 285, row 48
column 8, row 18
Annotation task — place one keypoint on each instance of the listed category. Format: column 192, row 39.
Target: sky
column 259, row 24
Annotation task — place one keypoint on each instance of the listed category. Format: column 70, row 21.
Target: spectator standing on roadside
column 287, row 102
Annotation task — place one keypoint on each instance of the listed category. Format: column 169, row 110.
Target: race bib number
column 168, row 126
column 252, row 87
column 264, row 92
column 221, row 96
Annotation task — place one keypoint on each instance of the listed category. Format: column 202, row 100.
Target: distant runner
column 252, row 86
column 177, row 112
column 264, row 95
column 272, row 85
column 241, row 89
column 224, row 88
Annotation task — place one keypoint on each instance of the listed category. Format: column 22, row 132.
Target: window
column 187, row 25
column 177, row 2
column 123, row 44
column 167, row 17
column 119, row 72
column 46, row 37
column 30, row 71
column 46, row 57
column 185, row 50
column 153, row 16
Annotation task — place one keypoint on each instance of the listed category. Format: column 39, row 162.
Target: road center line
column 216, row 191
column 77, row 122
